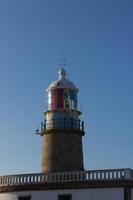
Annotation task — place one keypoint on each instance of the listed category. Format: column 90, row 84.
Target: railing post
column 42, row 127
column 104, row 175
column 127, row 174
column 53, row 123
column 117, row 174
column 101, row 177
column 113, row 174
column 82, row 126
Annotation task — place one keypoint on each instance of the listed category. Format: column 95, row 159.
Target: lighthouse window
column 57, row 99
column 60, row 98
column 49, row 101
column 54, row 99
column 24, row 198
column 70, row 99
column 64, row 197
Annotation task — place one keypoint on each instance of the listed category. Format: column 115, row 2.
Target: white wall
column 8, row 196
column 82, row 194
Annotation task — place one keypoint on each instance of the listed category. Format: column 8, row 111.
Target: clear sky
column 97, row 38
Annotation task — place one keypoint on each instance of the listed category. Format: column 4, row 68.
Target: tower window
column 64, row 197
column 24, row 198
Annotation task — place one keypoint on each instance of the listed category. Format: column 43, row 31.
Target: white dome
column 62, row 82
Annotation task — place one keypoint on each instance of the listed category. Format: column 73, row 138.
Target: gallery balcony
column 61, row 124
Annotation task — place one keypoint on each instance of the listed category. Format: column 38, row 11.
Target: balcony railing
column 59, row 124
column 95, row 175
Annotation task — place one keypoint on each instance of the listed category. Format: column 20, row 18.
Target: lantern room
column 62, row 110
column 62, row 93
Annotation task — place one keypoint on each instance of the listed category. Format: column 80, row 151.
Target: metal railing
column 65, row 124
column 92, row 175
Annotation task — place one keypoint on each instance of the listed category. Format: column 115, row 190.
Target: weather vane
column 63, row 59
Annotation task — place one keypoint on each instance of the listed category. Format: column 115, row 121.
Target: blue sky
column 97, row 38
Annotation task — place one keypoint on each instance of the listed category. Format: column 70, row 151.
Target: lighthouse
column 62, row 174
column 62, row 129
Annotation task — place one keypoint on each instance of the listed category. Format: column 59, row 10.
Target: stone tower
column 62, row 129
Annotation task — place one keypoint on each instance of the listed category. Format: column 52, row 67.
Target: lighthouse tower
column 62, row 129
column 63, row 176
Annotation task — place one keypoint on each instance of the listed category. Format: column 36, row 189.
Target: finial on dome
column 62, row 73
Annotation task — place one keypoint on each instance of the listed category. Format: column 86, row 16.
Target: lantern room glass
column 62, row 98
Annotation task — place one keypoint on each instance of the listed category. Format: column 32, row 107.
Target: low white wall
column 85, row 194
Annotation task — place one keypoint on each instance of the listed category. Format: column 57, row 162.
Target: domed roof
column 62, row 82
